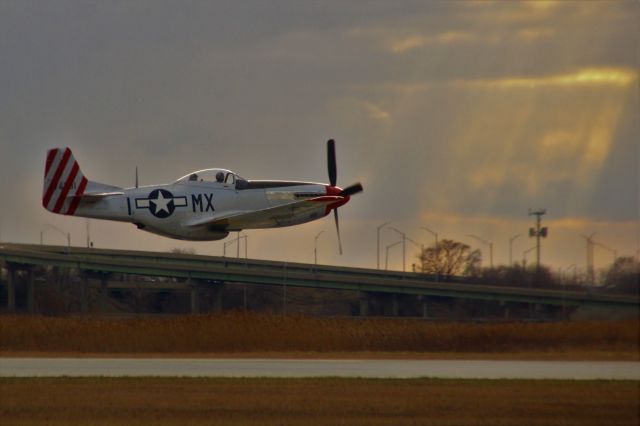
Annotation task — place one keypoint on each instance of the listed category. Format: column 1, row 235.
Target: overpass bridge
column 193, row 271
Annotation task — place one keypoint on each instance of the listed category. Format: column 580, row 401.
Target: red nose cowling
column 335, row 191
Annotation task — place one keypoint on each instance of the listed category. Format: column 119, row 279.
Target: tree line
column 449, row 258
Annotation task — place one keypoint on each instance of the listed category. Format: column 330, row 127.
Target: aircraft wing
column 273, row 215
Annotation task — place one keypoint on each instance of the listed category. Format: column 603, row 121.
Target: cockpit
column 222, row 176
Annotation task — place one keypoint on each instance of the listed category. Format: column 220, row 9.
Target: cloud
column 458, row 38
column 474, row 109
column 415, row 42
column 604, row 77
column 535, row 34
column 375, row 111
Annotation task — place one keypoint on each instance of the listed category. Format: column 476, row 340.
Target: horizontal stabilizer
column 96, row 196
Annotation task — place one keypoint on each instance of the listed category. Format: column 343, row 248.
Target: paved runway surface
column 77, row 367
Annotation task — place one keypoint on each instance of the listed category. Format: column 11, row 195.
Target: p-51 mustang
column 202, row 206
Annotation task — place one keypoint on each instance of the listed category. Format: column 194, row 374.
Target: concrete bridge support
column 11, row 288
column 424, row 302
column 395, row 305
column 217, row 297
column 12, row 281
column 31, row 307
column 195, row 296
column 390, row 304
column 364, row 304
column 84, row 293
column 104, row 292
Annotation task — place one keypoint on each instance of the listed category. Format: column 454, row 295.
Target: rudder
column 64, row 183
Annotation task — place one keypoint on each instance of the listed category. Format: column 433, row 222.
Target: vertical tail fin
column 64, row 183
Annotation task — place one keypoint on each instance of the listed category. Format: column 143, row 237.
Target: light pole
column 404, row 245
column 511, row 248
column 609, row 249
column 49, row 226
column 378, row 243
column 315, row 247
column 437, row 250
column 421, row 247
column 487, row 243
column 237, row 241
column 228, row 243
column 386, row 260
column 435, row 234
column 575, row 272
column 246, row 242
column 524, row 256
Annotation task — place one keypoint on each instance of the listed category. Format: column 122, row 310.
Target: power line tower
column 538, row 232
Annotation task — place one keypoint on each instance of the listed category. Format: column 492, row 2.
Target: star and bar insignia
column 161, row 203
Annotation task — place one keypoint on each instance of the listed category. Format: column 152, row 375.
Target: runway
column 296, row 368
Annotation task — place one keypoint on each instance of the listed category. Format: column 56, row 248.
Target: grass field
column 250, row 333
column 154, row 401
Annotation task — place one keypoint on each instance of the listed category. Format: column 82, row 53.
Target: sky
column 455, row 116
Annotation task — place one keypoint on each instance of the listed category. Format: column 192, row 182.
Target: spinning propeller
column 333, row 177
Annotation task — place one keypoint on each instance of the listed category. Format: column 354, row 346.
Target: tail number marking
column 198, row 205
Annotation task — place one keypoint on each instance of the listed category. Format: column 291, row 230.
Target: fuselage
column 203, row 205
column 169, row 209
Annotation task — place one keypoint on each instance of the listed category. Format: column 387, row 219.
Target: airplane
column 204, row 205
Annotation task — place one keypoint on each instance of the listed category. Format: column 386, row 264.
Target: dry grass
column 245, row 333
column 152, row 401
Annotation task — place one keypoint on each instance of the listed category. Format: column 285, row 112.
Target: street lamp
column 386, row 261
column 315, row 247
column 404, row 245
column 487, row 243
column 575, row 272
column 511, row 248
column 49, row 226
column 246, row 242
column 378, row 243
column 237, row 241
column 435, row 234
column 609, row 249
column 224, row 248
column 228, row 243
column 524, row 255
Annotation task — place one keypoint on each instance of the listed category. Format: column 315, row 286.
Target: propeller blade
column 351, row 190
column 331, row 162
column 335, row 215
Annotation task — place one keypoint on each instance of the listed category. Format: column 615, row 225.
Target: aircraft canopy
column 212, row 175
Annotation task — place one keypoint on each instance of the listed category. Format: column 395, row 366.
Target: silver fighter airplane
column 204, row 205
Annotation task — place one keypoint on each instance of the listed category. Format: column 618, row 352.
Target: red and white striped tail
column 64, row 183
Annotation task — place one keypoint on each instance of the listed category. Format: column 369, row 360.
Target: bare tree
column 450, row 258
column 623, row 276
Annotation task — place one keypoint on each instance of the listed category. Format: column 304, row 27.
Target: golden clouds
column 450, row 38
column 418, row 41
column 533, row 34
column 375, row 111
column 541, row 5
column 613, row 77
